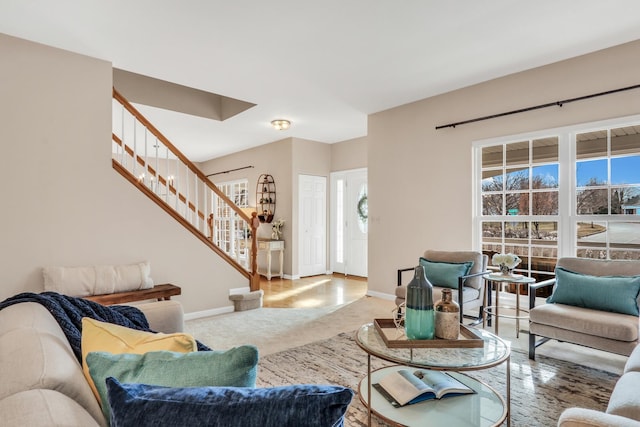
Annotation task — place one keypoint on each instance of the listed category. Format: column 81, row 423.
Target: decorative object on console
column 276, row 229
column 506, row 262
column 419, row 319
column 266, row 198
column 447, row 317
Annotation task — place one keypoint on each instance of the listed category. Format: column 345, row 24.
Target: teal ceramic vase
column 419, row 319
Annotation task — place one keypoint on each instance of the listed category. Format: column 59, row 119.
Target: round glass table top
column 492, row 353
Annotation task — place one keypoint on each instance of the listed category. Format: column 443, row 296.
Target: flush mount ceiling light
column 280, row 124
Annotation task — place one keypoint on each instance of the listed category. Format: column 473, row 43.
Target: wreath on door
column 363, row 208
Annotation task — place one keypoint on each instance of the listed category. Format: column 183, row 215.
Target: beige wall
column 420, row 178
column 56, row 107
column 285, row 160
column 273, row 159
column 63, row 203
column 347, row 155
column 309, row 158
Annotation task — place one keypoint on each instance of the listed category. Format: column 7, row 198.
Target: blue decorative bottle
column 419, row 321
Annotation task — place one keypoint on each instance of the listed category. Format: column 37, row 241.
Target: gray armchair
column 470, row 293
column 604, row 330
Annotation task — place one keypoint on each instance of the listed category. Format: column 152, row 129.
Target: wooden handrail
column 129, row 176
column 162, row 180
column 177, row 153
column 252, row 221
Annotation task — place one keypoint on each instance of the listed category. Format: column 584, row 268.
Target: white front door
column 349, row 218
column 312, row 206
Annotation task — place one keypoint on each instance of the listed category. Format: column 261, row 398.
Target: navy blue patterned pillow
column 295, row 405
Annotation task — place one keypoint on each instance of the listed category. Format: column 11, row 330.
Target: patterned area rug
column 540, row 390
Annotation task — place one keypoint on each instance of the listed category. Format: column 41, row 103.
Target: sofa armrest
column 534, row 287
column 580, row 417
column 163, row 316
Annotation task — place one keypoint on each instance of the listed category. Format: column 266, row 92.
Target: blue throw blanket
column 69, row 311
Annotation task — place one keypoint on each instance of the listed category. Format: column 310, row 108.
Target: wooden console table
column 159, row 292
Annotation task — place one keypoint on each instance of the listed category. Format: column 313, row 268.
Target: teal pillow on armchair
column 617, row 294
column 445, row 274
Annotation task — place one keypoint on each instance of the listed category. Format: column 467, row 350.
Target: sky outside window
column 625, row 170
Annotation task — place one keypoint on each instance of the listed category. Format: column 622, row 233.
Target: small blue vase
column 419, row 322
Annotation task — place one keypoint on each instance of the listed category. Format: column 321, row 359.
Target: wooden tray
column 469, row 338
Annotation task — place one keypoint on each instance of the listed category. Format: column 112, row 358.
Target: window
column 226, row 223
column 573, row 191
column 519, row 200
column 607, row 194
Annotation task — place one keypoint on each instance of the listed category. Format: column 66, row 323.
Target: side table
column 494, row 310
column 268, row 245
column 265, row 246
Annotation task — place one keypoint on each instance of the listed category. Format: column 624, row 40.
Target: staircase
column 148, row 160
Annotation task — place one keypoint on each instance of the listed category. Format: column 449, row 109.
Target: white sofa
column 624, row 404
column 41, row 381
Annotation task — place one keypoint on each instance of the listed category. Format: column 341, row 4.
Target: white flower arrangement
column 276, row 229
column 510, row 261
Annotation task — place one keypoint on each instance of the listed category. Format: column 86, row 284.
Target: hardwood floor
column 314, row 291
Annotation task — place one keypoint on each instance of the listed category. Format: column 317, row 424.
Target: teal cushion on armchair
column 445, row 274
column 617, row 294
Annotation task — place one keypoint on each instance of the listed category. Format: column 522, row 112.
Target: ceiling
column 324, row 65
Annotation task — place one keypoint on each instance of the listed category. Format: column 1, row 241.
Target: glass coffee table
column 484, row 408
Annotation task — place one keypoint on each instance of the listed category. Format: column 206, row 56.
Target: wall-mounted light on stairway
column 280, row 124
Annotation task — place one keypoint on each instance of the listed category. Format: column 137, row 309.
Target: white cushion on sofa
column 44, row 408
column 29, row 315
column 38, row 356
column 97, row 279
column 625, row 400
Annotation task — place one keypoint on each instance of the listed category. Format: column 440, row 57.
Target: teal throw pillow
column 236, row 367
column 294, row 405
column 617, row 294
column 445, row 274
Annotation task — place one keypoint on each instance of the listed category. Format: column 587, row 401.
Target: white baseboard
column 209, row 313
column 389, row 297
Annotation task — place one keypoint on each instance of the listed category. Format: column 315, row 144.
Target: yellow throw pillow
column 116, row 339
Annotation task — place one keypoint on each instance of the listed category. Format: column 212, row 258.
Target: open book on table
column 405, row 387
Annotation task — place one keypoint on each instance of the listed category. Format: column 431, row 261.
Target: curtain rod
column 230, row 170
column 537, row 107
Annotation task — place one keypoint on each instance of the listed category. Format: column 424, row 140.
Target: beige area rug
column 277, row 329
column 540, row 390
column 316, row 346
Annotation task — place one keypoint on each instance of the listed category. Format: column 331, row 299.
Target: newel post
column 255, row 276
